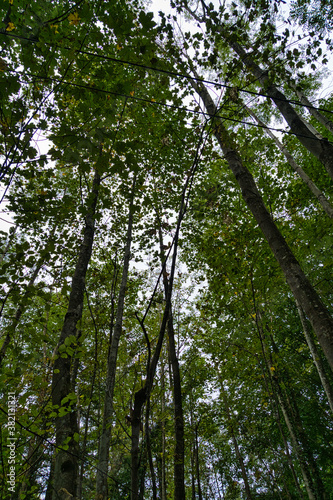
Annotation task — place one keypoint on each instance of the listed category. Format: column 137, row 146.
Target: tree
column 166, row 292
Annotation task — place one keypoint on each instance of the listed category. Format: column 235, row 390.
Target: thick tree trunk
column 300, row 286
column 321, row 149
column 67, row 453
column 104, row 447
column 297, row 168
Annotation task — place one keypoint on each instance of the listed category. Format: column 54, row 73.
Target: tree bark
column 104, row 447
column 296, row 167
column 163, row 488
column 141, row 396
column 316, row 358
column 300, row 286
column 287, row 415
column 179, row 474
column 312, row 109
column 197, row 463
column 66, row 460
column 234, row 440
column 321, row 149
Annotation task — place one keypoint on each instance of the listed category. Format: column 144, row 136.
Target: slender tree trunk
column 67, row 452
column 276, row 405
column 19, row 311
column 104, row 447
column 321, row 149
column 149, row 453
column 92, row 389
column 163, row 471
column 312, row 109
column 300, row 286
column 49, row 490
column 234, row 440
column 197, row 463
column 297, row 168
column 179, row 479
column 303, row 439
column 192, row 449
column 316, row 358
column 141, row 396
column 193, row 471
column 179, row 485
column 288, row 416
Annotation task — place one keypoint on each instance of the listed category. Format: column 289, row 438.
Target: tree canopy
column 166, row 265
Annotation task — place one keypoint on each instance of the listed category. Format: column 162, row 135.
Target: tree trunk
column 316, row 358
column 300, row 286
column 66, row 460
column 163, row 488
column 321, row 149
column 269, row 383
column 104, row 447
column 234, row 440
column 197, row 463
column 141, row 396
column 19, row 311
column 179, row 479
column 312, row 109
column 297, row 168
column 149, row 453
column 303, row 439
column 287, row 414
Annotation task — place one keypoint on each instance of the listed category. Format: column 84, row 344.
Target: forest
column 166, row 250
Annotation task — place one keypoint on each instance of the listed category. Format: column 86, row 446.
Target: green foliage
column 88, row 86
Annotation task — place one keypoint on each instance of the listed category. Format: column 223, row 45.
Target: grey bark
column 296, row 167
column 321, row 149
column 316, row 358
column 299, row 284
column 105, row 438
column 234, row 439
column 179, row 473
column 66, row 460
column 287, row 415
column 312, row 109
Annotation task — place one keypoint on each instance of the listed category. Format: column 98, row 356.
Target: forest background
column 166, row 285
